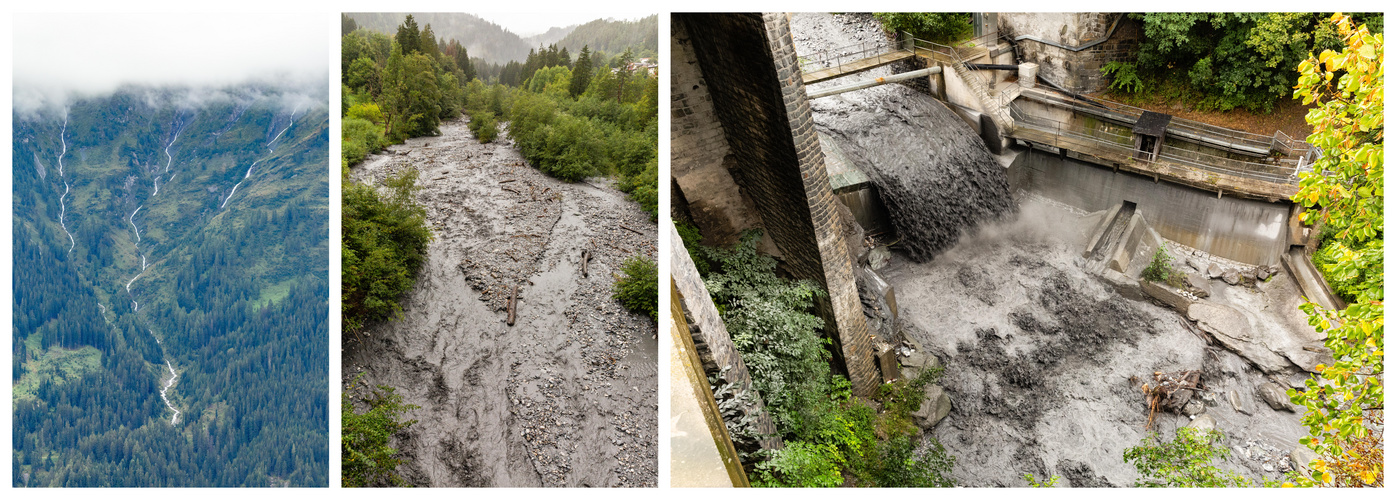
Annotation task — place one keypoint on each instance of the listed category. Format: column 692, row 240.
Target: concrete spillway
column 1252, row 232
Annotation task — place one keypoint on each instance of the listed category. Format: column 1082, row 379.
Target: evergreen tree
column 409, row 38
column 581, row 73
column 623, row 73
column 427, row 43
column 347, row 25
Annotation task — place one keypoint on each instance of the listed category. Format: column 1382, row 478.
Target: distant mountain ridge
column 496, row 44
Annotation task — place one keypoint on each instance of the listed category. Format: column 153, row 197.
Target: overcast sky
column 55, row 54
column 533, row 23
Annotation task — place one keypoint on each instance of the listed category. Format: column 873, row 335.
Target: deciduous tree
column 1344, row 403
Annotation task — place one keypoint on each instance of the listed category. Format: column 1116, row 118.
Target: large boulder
column 1231, row 277
column 1233, row 330
column 1214, row 271
column 1300, row 459
column 934, row 407
column 1203, row 423
column 1197, row 285
column 1275, row 396
column 918, row 362
column 1237, row 404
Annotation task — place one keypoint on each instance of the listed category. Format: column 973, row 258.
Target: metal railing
column 1000, row 99
column 1122, row 144
column 1221, row 137
column 836, row 58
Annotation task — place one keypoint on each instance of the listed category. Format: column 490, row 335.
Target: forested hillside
column 615, row 36
column 483, row 39
column 171, row 288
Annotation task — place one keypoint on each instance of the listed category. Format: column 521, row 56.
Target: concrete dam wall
column 1252, row 232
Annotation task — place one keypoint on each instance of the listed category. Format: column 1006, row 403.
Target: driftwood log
column 513, row 302
column 586, row 256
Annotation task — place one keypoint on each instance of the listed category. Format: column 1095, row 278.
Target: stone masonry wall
column 698, row 147
column 753, row 73
column 1078, row 71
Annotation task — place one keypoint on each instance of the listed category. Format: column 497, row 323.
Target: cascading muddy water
column 932, row 172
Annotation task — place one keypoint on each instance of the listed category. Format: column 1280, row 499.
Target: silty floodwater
column 566, row 396
column 1044, row 359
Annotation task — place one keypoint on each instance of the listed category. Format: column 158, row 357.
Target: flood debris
column 567, row 396
column 513, row 301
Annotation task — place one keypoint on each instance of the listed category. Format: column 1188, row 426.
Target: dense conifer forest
column 162, row 231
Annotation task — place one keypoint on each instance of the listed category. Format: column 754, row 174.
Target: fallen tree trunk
column 513, row 301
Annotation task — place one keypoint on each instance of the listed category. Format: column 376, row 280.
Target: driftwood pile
column 1171, row 391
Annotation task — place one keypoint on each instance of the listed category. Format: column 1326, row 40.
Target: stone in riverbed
column 934, row 407
column 1275, row 396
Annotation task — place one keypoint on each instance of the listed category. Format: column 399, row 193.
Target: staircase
column 994, row 104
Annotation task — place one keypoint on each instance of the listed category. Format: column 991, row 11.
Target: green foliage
column 1221, row 60
column 581, row 73
column 1186, row 462
column 768, row 321
column 365, row 111
column 1344, row 403
column 801, row 465
column 900, row 465
column 360, row 138
column 1123, row 76
column 484, row 127
column 638, row 289
column 1049, row 483
column 368, row 458
column 411, row 95
column 940, row 27
column 385, row 237
column 1160, row 266
column 828, row 433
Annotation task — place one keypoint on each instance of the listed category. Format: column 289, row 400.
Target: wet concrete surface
column 565, row 397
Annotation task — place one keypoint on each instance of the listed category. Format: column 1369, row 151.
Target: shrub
column 368, row 457
column 1186, row 462
column 385, row 240
column 638, row 289
column 1160, row 267
column 360, row 138
column 366, row 111
column 801, row 465
column 770, row 325
column 484, row 127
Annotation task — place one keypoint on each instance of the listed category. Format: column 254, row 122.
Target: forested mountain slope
column 481, row 38
column 613, row 37
column 170, row 302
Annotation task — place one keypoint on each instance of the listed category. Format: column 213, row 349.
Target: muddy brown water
column 565, row 397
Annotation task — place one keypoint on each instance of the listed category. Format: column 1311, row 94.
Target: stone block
column 934, row 407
